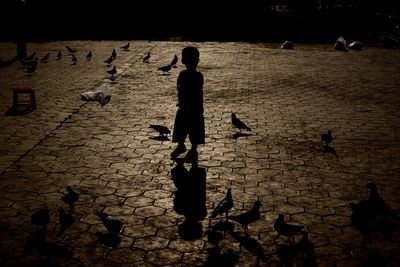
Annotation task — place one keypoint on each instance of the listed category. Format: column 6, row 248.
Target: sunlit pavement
column 112, row 158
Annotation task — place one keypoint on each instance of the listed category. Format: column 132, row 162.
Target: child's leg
column 192, row 154
column 181, row 148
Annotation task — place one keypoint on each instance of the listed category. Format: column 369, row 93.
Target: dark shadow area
column 260, row 20
column 109, row 239
column 160, row 138
column 237, row 135
column 190, row 198
column 225, row 259
column 251, row 245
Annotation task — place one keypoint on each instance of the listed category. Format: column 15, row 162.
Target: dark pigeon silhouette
column 59, row 55
column 70, row 50
column 114, row 54
column 71, row 197
column 113, row 71
column 74, row 59
column 113, row 224
column 45, row 58
column 32, row 68
column 248, row 217
column 165, row 69
column 161, row 129
column 89, row 56
column 146, row 58
column 65, row 219
column 125, row 47
column 41, row 217
column 327, row 137
column 237, row 123
column 287, row 45
column 109, row 60
column 174, row 61
column 286, row 229
column 224, row 206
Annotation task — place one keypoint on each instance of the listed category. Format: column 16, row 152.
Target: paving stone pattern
column 110, row 156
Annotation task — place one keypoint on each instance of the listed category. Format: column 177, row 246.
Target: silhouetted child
column 189, row 120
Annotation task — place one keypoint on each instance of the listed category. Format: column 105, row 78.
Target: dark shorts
column 191, row 125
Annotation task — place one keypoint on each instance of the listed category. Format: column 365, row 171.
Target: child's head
column 190, row 57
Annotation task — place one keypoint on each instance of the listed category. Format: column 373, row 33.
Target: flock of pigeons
column 31, row 62
column 41, row 219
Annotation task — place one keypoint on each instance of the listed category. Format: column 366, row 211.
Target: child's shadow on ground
column 239, row 134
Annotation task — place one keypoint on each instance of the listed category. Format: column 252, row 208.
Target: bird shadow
column 330, row 150
column 160, row 138
column 251, row 245
column 109, row 239
column 239, row 134
column 216, row 258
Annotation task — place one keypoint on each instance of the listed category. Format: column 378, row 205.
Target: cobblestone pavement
column 112, row 158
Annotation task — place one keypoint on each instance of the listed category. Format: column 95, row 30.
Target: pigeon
column 109, row 60
column 165, row 69
column 32, row 66
column 146, row 57
column 248, row 217
column 70, row 50
column 74, row 59
column 378, row 205
column 89, row 56
column 112, row 224
column 340, row 44
column 71, row 197
column 357, row 45
column 45, row 58
column 65, row 219
column 161, row 129
column 174, row 61
column 112, row 71
column 224, row 206
column 327, row 137
column 287, row 45
column 41, row 217
column 59, row 55
column 114, row 54
column 330, row 150
column 237, row 123
column 284, row 228
column 125, row 47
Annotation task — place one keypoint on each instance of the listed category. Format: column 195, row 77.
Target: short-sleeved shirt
column 190, row 92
